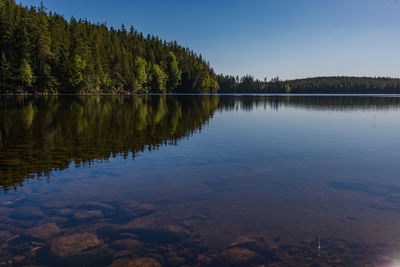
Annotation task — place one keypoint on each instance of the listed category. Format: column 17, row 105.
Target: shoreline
column 249, row 94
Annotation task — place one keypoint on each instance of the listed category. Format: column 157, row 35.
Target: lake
column 200, row 180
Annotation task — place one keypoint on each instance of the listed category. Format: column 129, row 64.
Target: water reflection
column 282, row 180
column 313, row 102
column 40, row 134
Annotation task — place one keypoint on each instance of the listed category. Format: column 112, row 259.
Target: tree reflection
column 41, row 134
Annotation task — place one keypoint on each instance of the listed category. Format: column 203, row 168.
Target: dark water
column 200, row 181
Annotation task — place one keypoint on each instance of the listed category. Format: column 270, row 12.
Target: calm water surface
column 200, row 181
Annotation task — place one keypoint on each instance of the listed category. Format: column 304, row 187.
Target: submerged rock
column 44, row 231
column 174, row 259
column 57, row 219
column 135, row 209
column 4, row 236
column 19, row 258
column 260, row 242
column 138, row 262
column 175, row 229
column 152, row 223
column 88, row 214
column 239, row 256
column 65, row 211
column 152, row 229
column 73, row 244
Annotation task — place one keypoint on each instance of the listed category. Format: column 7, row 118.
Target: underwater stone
column 73, row 244
column 44, row 231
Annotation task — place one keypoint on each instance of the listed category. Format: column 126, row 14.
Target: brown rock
column 204, row 259
column 19, row 258
column 87, row 214
column 261, row 242
column 73, row 244
column 4, row 235
column 152, row 223
column 176, row 229
column 239, row 255
column 174, row 259
column 138, row 262
column 135, row 209
column 44, row 231
column 155, row 256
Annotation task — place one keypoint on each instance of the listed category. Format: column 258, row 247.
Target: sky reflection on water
column 213, row 180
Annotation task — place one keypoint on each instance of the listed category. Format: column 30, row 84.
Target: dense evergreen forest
column 318, row 85
column 42, row 52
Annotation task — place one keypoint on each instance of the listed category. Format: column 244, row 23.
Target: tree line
column 40, row 51
column 317, row 85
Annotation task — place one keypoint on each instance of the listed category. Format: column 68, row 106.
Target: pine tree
column 158, row 79
column 173, row 72
column 140, row 71
column 76, row 70
column 26, row 74
column 77, row 56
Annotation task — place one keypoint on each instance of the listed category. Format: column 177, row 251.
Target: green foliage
column 140, row 72
column 158, row 79
column 26, row 74
column 76, row 73
column 204, row 81
column 78, row 56
column 287, row 88
column 318, row 85
column 173, row 72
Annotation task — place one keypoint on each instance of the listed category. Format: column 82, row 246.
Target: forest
column 42, row 52
column 317, row 85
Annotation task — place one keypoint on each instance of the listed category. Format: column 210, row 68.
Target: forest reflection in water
column 238, row 180
column 40, row 134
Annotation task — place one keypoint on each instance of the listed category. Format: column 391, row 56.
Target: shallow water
column 200, row 180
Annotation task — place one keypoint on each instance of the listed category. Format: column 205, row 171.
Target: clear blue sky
column 266, row 38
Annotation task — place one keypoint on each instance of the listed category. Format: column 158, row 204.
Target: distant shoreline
column 199, row 94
